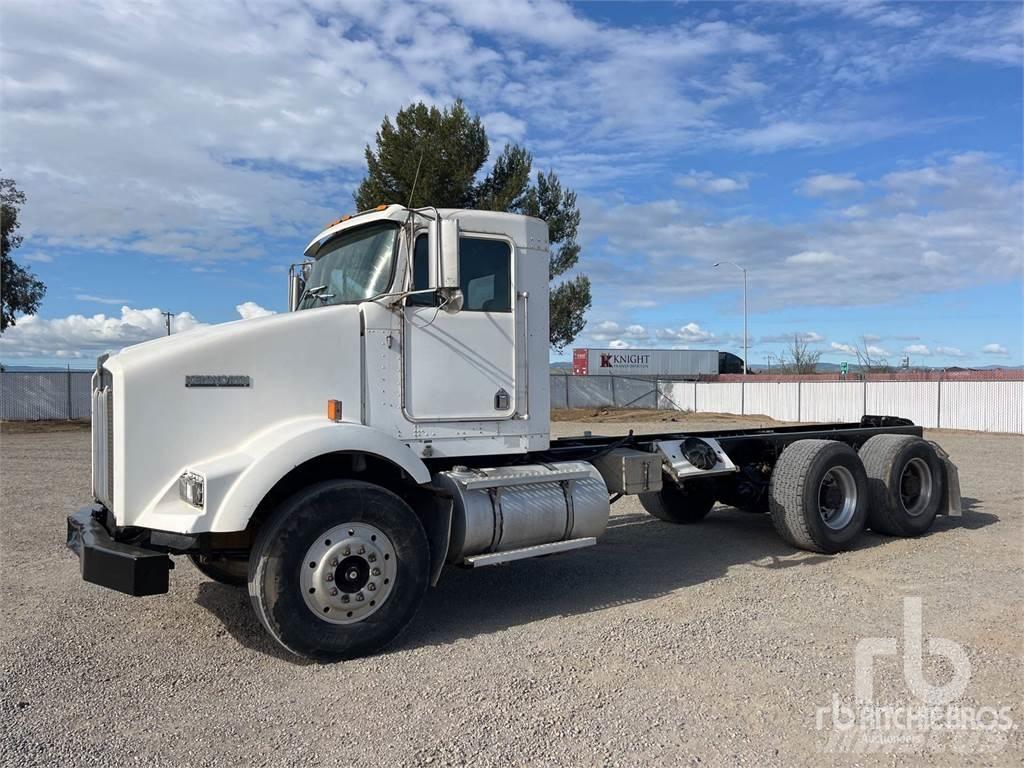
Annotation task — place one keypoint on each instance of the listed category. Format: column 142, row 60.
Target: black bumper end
column 126, row 568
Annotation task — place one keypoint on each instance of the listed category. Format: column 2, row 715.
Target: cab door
column 461, row 367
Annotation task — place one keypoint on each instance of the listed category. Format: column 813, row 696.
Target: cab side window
column 420, row 275
column 485, row 272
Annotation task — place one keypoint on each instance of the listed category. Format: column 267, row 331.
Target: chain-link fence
column 44, row 395
column 599, row 391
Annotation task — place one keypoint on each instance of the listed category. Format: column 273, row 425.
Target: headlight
column 192, row 489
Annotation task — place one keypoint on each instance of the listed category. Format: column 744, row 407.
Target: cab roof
column 524, row 231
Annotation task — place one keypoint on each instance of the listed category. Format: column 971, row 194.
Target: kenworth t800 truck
column 335, row 458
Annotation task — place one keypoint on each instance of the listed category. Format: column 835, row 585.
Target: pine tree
column 450, row 147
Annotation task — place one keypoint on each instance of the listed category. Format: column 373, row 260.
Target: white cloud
column 248, row 309
column 707, row 182
column 846, row 349
column 618, row 344
column 807, row 337
column 82, row 337
column 605, row 331
column 876, row 351
column 814, row 258
column 972, row 220
column 830, row 184
column 691, row 333
column 950, row 351
column 37, row 258
column 100, row 299
column 793, row 134
column 917, row 349
column 879, row 13
column 995, row 349
column 502, row 125
column 261, row 111
column 608, row 330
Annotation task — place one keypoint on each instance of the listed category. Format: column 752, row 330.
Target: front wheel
column 339, row 570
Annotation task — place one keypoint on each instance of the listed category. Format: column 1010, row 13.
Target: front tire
column 339, row 570
column 818, row 495
column 681, row 504
column 905, row 483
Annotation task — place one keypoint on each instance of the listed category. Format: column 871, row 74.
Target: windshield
column 353, row 266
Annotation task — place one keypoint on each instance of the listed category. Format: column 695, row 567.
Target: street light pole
column 744, row 271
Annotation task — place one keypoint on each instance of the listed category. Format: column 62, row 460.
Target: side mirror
column 296, row 285
column 445, row 239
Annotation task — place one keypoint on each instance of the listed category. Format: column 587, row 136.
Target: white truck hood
column 244, row 377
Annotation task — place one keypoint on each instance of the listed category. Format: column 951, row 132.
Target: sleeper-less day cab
column 335, row 458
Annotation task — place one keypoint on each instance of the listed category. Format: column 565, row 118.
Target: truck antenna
column 415, row 179
column 409, row 218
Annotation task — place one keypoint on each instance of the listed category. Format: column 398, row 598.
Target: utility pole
column 744, row 271
column 168, row 316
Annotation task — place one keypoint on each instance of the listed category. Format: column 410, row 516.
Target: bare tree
column 798, row 357
column 870, row 358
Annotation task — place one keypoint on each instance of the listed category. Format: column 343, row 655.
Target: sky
column 862, row 160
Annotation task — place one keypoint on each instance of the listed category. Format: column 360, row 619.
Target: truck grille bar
column 103, row 446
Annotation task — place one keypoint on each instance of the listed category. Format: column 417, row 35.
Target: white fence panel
column 987, row 406
column 780, row 401
column 720, row 398
column 677, row 395
column 831, row 401
column 914, row 400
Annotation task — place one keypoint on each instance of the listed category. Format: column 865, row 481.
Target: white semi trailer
column 335, row 458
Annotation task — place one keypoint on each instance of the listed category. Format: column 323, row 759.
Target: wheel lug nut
column 346, row 551
column 334, row 562
column 372, row 558
column 333, row 592
column 361, row 550
column 345, row 598
column 329, row 577
column 375, row 572
column 371, row 586
column 359, row 597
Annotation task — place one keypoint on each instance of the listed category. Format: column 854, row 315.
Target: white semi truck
column 335, row 458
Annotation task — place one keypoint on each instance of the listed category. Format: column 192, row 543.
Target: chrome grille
column 103, row 446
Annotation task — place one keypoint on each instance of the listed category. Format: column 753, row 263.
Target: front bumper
column 128, row 568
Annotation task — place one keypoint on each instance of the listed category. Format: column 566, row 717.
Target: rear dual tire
column 818, row 496
column 905, row 484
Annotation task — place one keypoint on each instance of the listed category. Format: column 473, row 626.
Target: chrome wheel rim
column 348, row 573
column 916, row 487
column 837, row 498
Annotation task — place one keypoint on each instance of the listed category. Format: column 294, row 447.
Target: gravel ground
column 704, row 645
